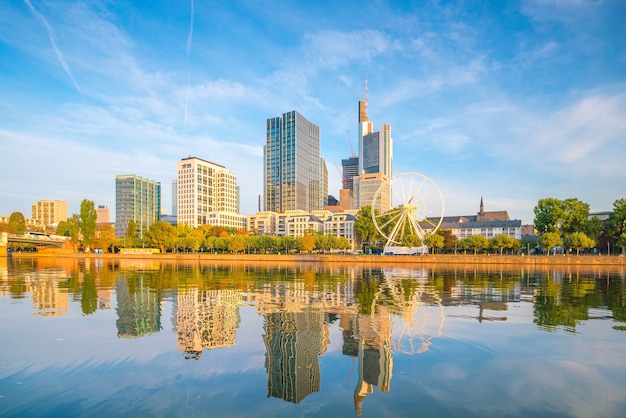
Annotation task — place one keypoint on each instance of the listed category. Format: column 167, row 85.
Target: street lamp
column 608, row 248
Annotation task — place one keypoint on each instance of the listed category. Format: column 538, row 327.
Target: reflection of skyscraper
column 207, row 319
column 138, row 310
column 294, row 340
column 369, row 338
column 48, row 300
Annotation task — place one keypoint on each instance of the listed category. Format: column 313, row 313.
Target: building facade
column 136, row 198
column 49, row 212
column 207, row 193
column 375, row 158
column 293, row 178
column 103, row 215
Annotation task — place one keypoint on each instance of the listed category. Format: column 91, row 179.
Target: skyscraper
column 136, row 198
column 375, row 162
column 49, row 212
column 292, row 165
column 207, row 193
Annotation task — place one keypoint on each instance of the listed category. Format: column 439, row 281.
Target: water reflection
column 381, row 312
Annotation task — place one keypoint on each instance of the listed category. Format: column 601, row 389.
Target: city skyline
column 513, row 102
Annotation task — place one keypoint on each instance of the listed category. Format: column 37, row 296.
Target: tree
column 16, row 219
column 87, row 222
column 502, row 242
column 105, row 237
column 411, row 240
column 307, row 244
column 449, row 239
column 575, row 217
column 63, row 228
column 617, row 220
column 594, row 228
column 434, row 241
column 550, row 240
column 477, row 242
column 131, row 229
column 549, row 214
column 364, row 227
column 578, row 241
column 236, row 244
column 162, row 234
column 5, row 227
column 74, row 229
column 621, row 241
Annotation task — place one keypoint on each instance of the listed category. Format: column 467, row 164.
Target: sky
column 509, row 101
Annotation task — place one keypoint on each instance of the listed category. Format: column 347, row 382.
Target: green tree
column 131, row 229
column 236, row 244
column 434, row 241
column 578, row 241
column 503, row 242
column 617, row 220
column 621, row 242
column 594, row 228
column 550, row 240
column 87, row 223
column 74, row 230
column 16, row 219
column 549, row 214
column 364, row 227
column 162, row 235
column 63, row 228
column 477, row 242
column 411, row 240
column 576, row 215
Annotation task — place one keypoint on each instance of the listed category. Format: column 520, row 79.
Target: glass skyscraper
column 136, row 198
column 292, row 165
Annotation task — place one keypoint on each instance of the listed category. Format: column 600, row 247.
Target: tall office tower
column 136, row 198
column 204, row 189
column 324, row 182
column 292, row 177
column 103, row 215
column 375, row 157
column 174, row 197
column 350, row 169
column 49, row 212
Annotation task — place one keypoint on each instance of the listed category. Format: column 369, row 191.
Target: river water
column 122, row 338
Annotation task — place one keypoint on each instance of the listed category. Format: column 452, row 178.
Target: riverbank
column 558, row 260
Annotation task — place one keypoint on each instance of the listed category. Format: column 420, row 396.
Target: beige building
column 207, row 193
column 49, row 212
column 103, row 214
column 365, row 188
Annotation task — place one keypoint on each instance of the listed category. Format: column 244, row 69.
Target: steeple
column 482, row 207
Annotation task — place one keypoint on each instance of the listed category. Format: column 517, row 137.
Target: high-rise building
column 103, row 215
column 207, row 194
column 136, row 198
column 324, row 182
column 49, row 212
column 350, row 169
column 292, row 165
column 174, row 197
column 375, row 157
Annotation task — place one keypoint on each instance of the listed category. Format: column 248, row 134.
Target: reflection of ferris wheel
column 422, row 322
column 416, row 208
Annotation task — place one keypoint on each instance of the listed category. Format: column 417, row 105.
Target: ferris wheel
column 408, row 204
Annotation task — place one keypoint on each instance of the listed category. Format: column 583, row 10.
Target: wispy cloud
column 188, row 51
column 54, row 45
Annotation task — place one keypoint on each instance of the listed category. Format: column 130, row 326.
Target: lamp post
column 608, row 248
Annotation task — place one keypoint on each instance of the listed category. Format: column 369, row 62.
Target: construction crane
column 350, row 141
column 343, row 180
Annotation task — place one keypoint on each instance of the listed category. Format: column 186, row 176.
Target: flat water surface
column 122, row 338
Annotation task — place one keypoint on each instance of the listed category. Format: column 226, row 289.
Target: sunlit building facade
column 49, row 212
column 293, row 173
column 207, row 194
column 138, row 199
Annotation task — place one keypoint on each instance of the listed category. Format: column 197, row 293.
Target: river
column 155, row 338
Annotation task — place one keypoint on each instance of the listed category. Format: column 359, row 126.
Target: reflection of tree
column 617, row 300
column 89, row 295
column 561, row 304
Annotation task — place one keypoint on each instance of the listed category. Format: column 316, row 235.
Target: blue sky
column 512, row 101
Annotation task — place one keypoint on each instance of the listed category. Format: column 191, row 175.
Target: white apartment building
column 207, row 193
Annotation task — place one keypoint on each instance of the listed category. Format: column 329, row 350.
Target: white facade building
column 207, row 194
